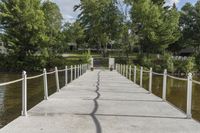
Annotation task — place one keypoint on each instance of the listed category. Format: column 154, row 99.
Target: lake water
column 10, row 95
column 176, row 92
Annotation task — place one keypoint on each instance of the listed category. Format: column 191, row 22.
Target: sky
column 66, row 7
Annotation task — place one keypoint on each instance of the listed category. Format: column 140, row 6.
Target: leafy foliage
column 157, row 26
column 31, row 32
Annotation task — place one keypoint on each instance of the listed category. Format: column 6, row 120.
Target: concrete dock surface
column 103, row 102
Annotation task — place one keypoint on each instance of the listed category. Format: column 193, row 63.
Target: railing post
column 66, row 75
column 126, row 71
column 45, row 85
column 135, row 74
column 130, row 72
column 141, row 76
column 57, row 79
column 189, row 96
column 71, row 73
column 81, row 69
column 150, row 80
column 75, row 71
column 164, row 85
column 24, row 94
column 120, row 68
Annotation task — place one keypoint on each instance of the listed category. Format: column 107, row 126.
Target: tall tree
column 53, row 22
column 190, row 25
column 73, row 33
column 101, row 20
column 23, row 25
column 156, row 25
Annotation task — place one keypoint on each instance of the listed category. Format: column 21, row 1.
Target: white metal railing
column 76, row 71
column 124, row 70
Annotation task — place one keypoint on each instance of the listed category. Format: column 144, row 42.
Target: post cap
column 189, row 74
column 24, row 72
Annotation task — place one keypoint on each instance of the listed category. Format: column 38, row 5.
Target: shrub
column 168, row 62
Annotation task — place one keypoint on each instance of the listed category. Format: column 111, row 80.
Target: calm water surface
column 176, row 92
column 10, row 95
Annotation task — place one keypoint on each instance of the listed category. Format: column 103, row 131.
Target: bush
column 190, row 64
column 168, row 62
column 87, row 56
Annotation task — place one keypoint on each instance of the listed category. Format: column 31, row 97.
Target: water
column 10, row 95
column 176, row 92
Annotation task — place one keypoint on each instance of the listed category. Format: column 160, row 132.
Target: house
column 186, row 52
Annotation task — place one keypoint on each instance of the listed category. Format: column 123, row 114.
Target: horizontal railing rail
column 49, row 73
column 11, row 82
column 35, row 77
column 158, row 74
column 76, row 71
column 177, row 78
column 196, row 82
column 128, row 70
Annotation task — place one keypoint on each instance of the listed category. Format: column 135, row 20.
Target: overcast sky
column 66, row 7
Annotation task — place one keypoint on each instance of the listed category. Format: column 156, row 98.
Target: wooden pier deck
column 103, row 102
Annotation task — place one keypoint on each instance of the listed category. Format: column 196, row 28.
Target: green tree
column 189, row 23
column 23, row 26
column 73, row 33
column 53, row 23
column 157, row 26
column 101, row 20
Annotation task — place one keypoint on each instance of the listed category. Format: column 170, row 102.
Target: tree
column 53, row 23
column 190, row 25
column 101, row 20
column 23, row 25
column 31, row 31
column 73, row 33
column 156, row 25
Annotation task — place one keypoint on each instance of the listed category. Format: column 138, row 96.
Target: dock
column 103, row 101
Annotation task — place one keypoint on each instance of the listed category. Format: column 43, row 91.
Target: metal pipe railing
column 122, row 70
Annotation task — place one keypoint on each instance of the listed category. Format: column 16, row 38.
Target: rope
column 61, row 70
column 183, row 79
column 159, row 74
column 196, row 82
column 146, row 71
column 11, row 82
column 34, row 77
column 51, row 72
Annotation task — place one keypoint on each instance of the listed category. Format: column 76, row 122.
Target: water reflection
column 10, row 95
column 176, row 93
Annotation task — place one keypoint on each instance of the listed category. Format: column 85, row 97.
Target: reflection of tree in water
column 10, row 98
column 157, row 83
column 10, row 95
